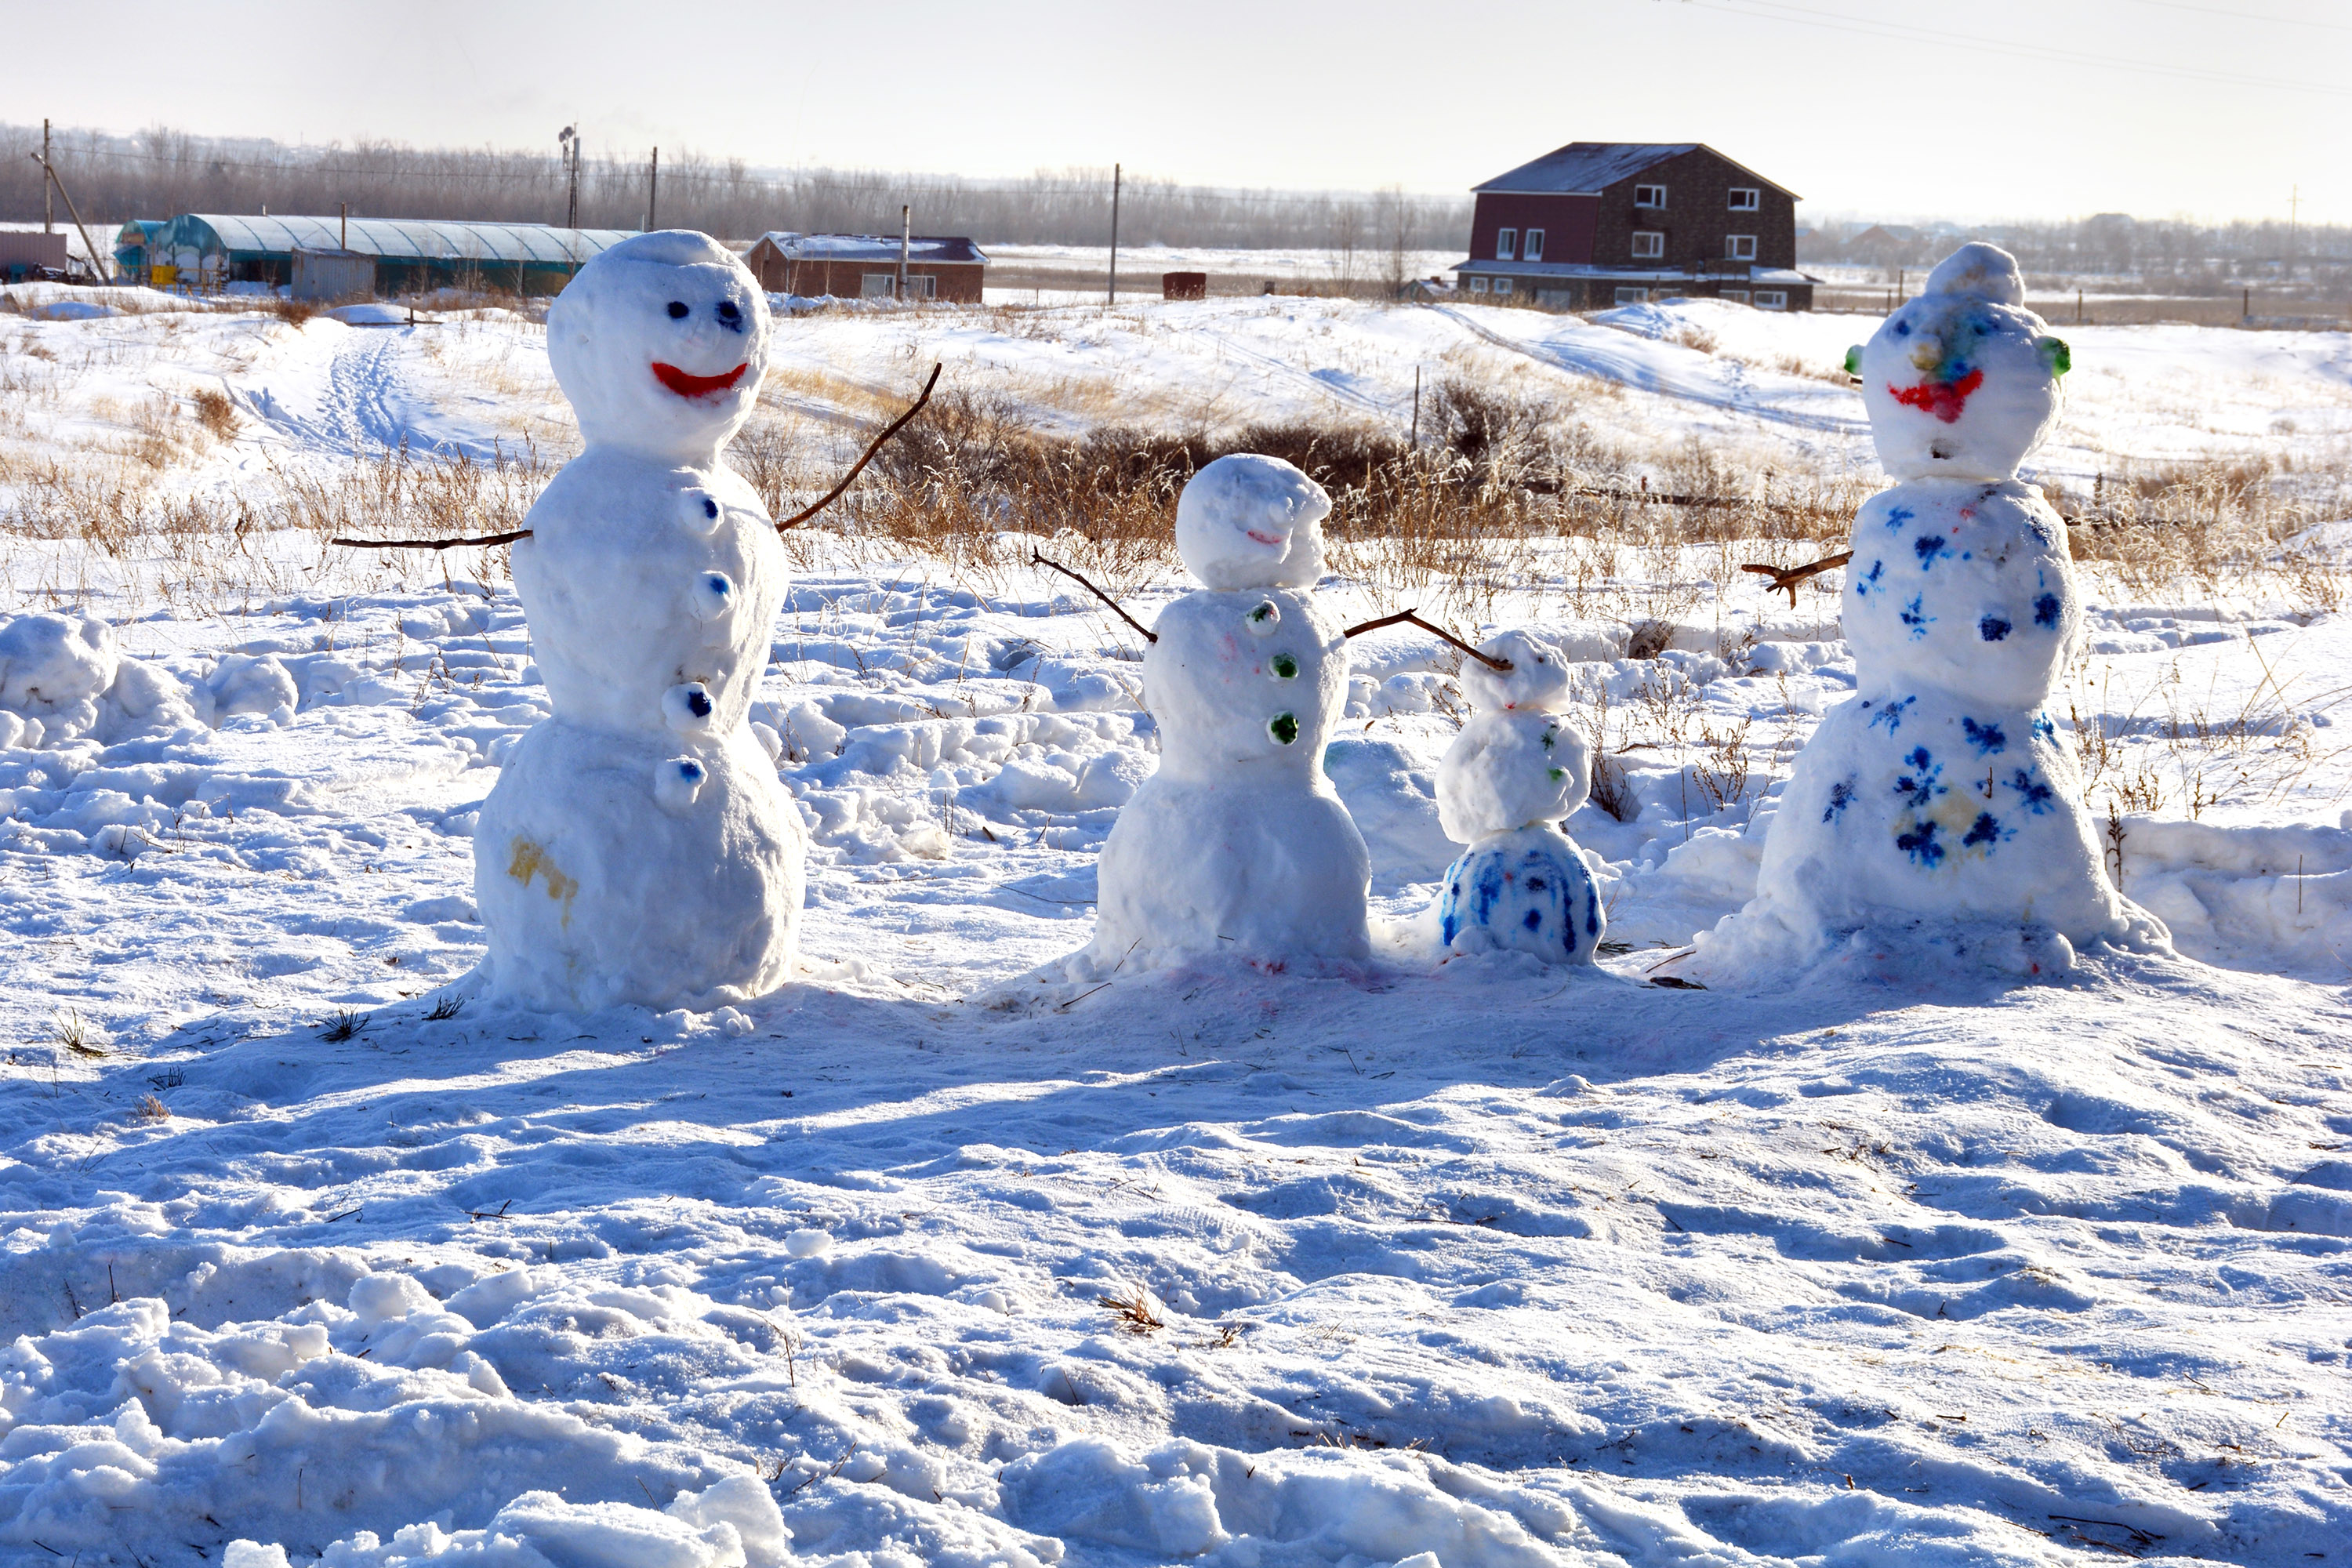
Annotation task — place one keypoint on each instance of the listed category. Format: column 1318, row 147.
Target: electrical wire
column 1871, row 27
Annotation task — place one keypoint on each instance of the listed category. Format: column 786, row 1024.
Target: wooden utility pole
column 343, row 227
column 1113, row 297
column 653, row 193
column 906, row 238
column 48, row 206
column 49, row 180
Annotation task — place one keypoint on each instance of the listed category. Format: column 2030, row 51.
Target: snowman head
column 1962, row 382
column 1534, row 684
column 1247, row 521
column 660, row 343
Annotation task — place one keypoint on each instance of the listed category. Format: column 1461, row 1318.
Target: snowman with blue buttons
column 1238, row 846
column 638, row 846
column 1515, row 769
column 1942, row 792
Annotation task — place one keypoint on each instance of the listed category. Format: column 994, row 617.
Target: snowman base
column 615, row 869
column 1913, row 810
column 1526, row 890
column 1268, row 870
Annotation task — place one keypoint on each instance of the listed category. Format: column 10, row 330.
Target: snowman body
column 637, row 847
column 1515, row 769
column 1238, row 844
column 1941, row 790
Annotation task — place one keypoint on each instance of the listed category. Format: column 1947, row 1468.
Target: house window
column 1478, row 285
column 1648, row 245
column 877, row 285
column 1632, row 295
column 1771, row 298
column 1746, row 198
column 1507, row 242
column 1740, row 246
column 1649, row 196
column 1533, row 251
column 1502, row 285
column 1739, row 294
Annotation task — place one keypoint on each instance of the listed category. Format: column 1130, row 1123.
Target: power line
column 2236, row 15
column 526, row 165
column 1870, row 26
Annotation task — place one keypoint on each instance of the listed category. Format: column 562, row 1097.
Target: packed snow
column 942, row 1254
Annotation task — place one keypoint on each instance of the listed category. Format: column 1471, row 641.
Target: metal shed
column 214, row 248
column 332, row 277
column 134, row 248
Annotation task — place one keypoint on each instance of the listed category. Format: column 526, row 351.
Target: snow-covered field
column 935, row 1258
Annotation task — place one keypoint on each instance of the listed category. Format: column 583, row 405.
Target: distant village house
column 1596, row 224
column 866, row 266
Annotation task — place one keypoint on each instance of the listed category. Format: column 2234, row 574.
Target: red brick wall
column 1568, row 223
column 1697, row 219
column 959, row 281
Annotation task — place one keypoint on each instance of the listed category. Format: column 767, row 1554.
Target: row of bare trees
column 2180, row 254
column 161, row 172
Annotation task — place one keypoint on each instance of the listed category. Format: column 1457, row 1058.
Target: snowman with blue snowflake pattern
column 1517, row 769
column 1942, row 792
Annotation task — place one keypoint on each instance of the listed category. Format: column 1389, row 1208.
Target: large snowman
column 638, row 848
column 1238, row 844
column 1941, row 799
column 1515, row 769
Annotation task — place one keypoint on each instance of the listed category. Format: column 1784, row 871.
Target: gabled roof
column 1587, row 168
column 931, row 248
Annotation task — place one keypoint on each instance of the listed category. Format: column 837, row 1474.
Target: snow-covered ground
column 950, row 1261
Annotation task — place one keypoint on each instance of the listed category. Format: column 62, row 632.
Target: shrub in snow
column 1515, row 770
column 638, row 846
column 1238, row 844
column 1940, row 794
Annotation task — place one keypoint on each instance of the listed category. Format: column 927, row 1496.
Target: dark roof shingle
column 1587, row 168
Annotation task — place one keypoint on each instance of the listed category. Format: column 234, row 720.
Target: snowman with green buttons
column 1941, row 800
column 1239, row 845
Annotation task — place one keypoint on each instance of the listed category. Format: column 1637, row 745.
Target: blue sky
column 2004, row 107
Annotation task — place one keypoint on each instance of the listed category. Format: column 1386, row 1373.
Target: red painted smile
column 1944, row 399
column 1262, row 538
column 687, row 385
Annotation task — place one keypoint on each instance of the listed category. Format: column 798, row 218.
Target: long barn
column 866, row 266
column 207, row 251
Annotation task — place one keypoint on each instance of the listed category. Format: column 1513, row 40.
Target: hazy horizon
column 2159, row 108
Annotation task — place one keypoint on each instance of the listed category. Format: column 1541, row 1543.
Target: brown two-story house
column 1608, row 223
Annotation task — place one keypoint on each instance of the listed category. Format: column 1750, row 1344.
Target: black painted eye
column 729, row 312
column 710, row 507
column 677, row 311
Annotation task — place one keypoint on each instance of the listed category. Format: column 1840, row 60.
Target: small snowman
column 1239, row 843
column 1515, row 769
column 1942, row 791
column 638, row 846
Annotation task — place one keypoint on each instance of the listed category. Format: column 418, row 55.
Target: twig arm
column 833, row 495
column 897, row 425
column 1148, row 635
column 1786, row 578
column 432, row 544
column 1500, row 665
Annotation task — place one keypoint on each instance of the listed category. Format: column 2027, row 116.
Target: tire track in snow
column 1627, row 364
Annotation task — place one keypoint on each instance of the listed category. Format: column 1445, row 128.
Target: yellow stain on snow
column 531, row 860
